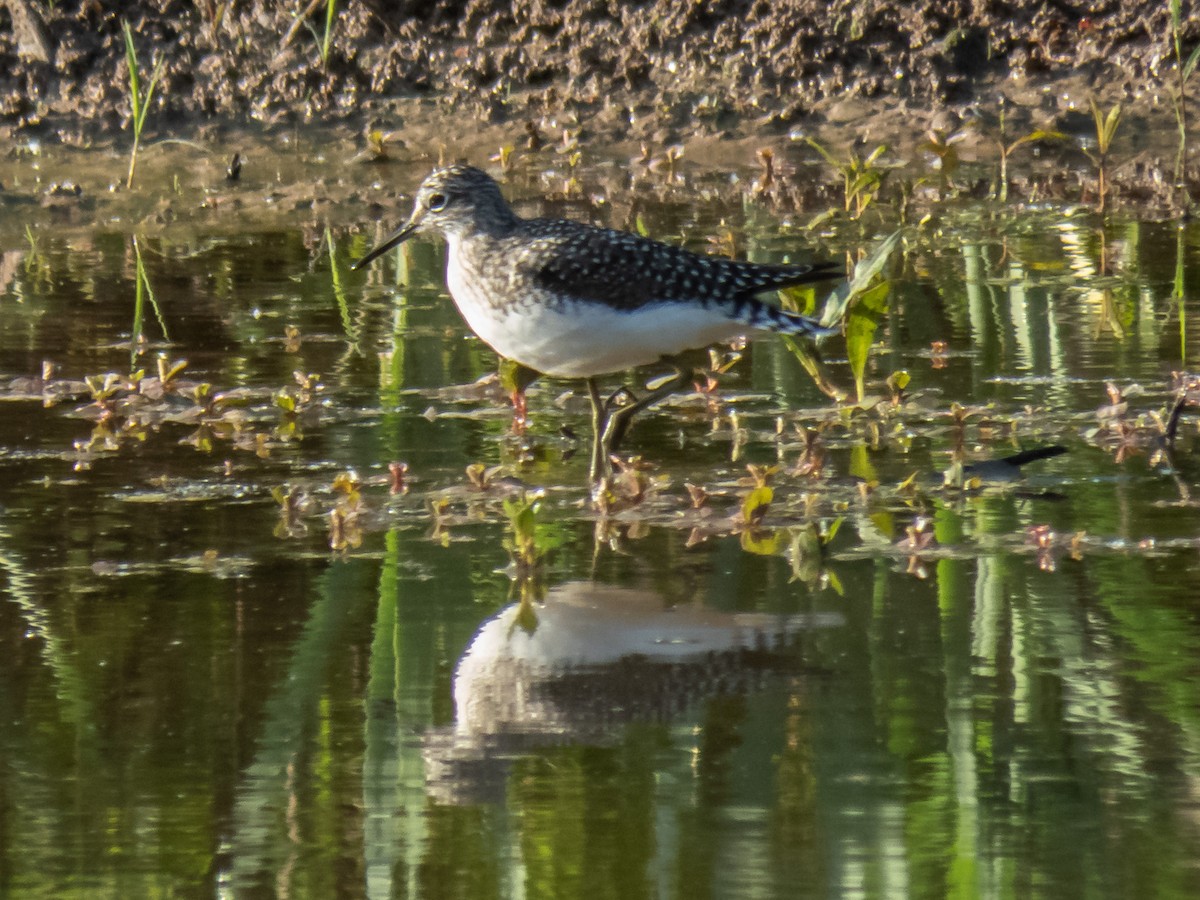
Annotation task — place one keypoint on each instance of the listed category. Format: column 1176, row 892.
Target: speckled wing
column 627, row 272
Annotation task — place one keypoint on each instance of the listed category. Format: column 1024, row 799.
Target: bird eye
column 436, row 202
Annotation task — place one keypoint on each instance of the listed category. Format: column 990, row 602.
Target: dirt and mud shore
column 727, row 77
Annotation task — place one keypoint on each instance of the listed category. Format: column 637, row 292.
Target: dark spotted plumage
column 627, row 271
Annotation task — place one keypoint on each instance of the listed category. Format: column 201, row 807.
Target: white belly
column 582, row 340
column 596, row 340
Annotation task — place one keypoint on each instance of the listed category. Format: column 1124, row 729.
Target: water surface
column 208, row 688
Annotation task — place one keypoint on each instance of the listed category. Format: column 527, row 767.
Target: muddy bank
column 660, row 67
column 722, row 79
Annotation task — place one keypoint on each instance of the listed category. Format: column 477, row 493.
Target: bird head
column 450, row 201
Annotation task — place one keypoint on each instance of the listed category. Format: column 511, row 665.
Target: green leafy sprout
column 139, row 101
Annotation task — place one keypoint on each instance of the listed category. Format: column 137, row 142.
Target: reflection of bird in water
column 597, row 658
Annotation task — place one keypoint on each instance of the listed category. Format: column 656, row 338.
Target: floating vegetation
column 773, row 510
column 133, row 407
column 345, row 525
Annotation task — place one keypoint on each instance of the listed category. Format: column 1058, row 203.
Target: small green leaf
column 885, row 523
column 832, row 530
column 285, row 401
column 1190, row 65
column 821, row 218
column 864, row 182
column 806, row 355
column 825, row 153
column 861, row 325
column 801, row 299
column 131, row 60
column 1112, row 120
column 1038, row 135
column 1106, row 124
column 756, row 504
column 861, row 465
column 865, row 271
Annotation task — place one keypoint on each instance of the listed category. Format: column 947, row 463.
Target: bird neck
column 493, row 222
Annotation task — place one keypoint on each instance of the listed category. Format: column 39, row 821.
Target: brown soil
column 681, row 65
column 654, row 73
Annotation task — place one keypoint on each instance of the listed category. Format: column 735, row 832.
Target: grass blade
column 135, row 88
column 139, row 305
column 1190, row 65
column 330, row 16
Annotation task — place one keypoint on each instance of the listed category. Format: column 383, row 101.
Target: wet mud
column 723, row 80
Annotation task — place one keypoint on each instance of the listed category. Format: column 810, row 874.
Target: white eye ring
column 436, row 202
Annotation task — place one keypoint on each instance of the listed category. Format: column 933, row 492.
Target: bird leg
column 520, row 411
column 618, row 420
column 621, row 395
column 611, row 422
column 600, row 412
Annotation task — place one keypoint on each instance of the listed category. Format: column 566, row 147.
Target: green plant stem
column 139, row 303
column 1106, row 129
column 1178, row 290
column 1181, row 116
column 133, row 156
column 138, row 102
column 330, row 16
column 1003, row 172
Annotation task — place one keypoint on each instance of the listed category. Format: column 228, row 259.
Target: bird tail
column 765, row 317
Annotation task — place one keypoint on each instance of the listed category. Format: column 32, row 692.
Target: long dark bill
column 399, row 237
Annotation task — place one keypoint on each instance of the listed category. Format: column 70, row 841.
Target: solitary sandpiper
column 572, row 300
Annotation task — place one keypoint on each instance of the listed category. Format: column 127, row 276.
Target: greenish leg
column 620, row 419
column 600, row 464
